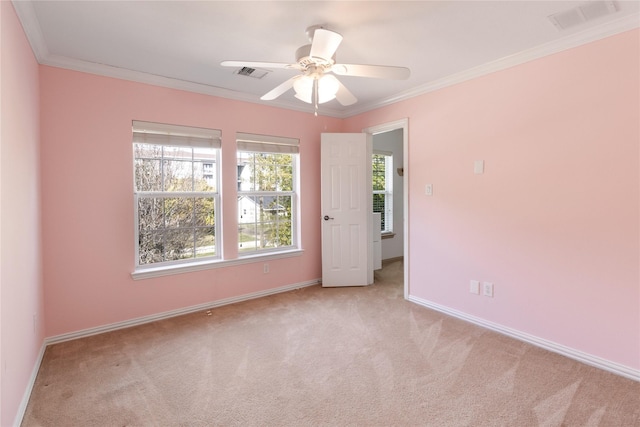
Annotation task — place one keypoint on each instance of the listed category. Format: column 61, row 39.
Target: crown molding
column 608, row 29
column 28, row 18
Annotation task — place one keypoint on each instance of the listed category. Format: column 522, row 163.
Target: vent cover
column 581, row 14
column 256, row 73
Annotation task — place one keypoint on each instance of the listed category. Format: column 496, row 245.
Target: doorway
column 393, row 138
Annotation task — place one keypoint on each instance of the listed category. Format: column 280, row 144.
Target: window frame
column 387, row 221
column 255, row 143
column 165, row 135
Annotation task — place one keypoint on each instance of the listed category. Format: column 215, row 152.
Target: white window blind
column 165, row 134
column 266, row 143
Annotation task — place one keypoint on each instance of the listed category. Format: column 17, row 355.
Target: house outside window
column 382, row 177
column 176, row 194
column 267, row 193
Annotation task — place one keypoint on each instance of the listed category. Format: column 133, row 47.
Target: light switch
column 478, row 166
column 474, row 287
column 428, row 189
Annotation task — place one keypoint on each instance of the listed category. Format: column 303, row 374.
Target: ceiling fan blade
column 375, row 71
column 279, row 90
column 344, row 97
column 255, row 64
column 324, row 44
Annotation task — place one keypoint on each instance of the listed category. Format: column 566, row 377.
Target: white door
column 347, row 257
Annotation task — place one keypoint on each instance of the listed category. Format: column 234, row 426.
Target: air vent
column 581, row 14
column 256, row 73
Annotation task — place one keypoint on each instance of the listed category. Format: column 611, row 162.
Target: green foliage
column 268, row 173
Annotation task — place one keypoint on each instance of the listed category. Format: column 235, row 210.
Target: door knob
column 327, row 218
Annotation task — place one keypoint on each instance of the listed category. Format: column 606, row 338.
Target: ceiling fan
column 315, row 62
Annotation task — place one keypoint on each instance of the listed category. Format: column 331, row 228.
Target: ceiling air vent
column 256, row 73
column 581, row 14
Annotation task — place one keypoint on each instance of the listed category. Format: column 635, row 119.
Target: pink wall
column 20, row 271
column 87, row 203
column 554, row 220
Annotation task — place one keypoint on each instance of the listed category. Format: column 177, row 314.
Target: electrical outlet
column 265, row 268
column 487, row 289
column 474, row 287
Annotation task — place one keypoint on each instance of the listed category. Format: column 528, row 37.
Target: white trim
column 147, row 273
column 386, row 127
column 141, row 321
column 580, row 356
column 179, row 312
column 28, row 18
column 608, row 29
column 27, row 393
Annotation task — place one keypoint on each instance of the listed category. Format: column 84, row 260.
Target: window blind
column 266, row 143
column 165, row 134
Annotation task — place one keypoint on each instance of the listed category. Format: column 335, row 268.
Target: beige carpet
column 322, row 357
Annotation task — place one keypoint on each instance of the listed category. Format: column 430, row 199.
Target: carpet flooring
column 322, row 357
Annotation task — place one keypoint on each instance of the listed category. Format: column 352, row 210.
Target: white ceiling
column 180, row 44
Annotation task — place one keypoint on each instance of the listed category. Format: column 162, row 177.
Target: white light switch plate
column 474, row 287
column 428, row 189
column 478, row 166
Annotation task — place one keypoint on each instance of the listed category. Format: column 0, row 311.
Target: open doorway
column 392, row 139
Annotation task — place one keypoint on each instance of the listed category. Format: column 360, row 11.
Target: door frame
column 386, row 127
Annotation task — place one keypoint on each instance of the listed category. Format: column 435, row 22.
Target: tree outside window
column 265, row 200
column 175, row 189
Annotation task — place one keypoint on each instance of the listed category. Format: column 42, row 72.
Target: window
column 176, row 193
column 267, row 193
column 382, row 174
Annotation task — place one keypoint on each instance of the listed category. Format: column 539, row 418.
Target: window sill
column 149, row 272
column 387, row 235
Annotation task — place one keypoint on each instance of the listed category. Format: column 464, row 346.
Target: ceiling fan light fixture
column 328, row 86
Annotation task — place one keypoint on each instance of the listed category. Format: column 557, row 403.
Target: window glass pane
column 147, row 151
column 150, row 213
column 379, row 206
column 204, row 212
column 247, row 237
column 178, row 244
column 284, row 172
column 264, row 172
column 204, row 176
column 281, row 233
column 207, row 155
column 378, row 172
column 178, row 212
column 149, row 248
column 382, row 189
column 178, row 175
column 148, row 175
column 205, row 242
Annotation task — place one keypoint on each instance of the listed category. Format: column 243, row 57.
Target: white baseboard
column 27, row 393
column 173, row 313
column 140, row 321
column 580, row 356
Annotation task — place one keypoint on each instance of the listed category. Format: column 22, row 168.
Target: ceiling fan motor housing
column 304, row 59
